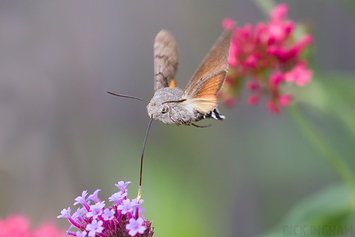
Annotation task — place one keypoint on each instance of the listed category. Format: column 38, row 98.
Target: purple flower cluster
column 124, row 218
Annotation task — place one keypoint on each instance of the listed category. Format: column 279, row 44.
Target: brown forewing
column 166, row 59
column 215, row 62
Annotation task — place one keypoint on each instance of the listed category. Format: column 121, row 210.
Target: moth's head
column 160, row 106
column 158, row 110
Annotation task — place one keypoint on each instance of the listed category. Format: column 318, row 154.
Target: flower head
column 123, row 218
column 269, row 56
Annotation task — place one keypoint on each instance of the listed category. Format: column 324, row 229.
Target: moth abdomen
column 213, row 114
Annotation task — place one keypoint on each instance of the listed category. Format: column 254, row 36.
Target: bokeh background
column 61, row 133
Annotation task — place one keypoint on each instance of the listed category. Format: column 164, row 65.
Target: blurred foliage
column 332, row 94
column 330, row 212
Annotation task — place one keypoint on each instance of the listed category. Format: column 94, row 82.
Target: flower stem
column 323, row 147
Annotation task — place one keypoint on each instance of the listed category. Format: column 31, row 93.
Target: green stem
column 323, row 147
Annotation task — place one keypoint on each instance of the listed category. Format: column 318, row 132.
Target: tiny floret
column 94, row 227
column 108, row 214
column 65, row 213
column 135, row 226
column 126, row 206
column 122, row 185
column 94, row 196
column 117, row 197
column 79, row 212
column 81, row 199
column 96, row 210
column 81, row 234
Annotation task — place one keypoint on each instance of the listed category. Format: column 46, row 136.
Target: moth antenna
column 141, row 170
column 174, row 101
column 125, row 96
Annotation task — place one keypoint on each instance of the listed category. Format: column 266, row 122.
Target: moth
column 198, row 100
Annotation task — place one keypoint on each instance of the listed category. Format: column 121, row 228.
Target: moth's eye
column 165, row 109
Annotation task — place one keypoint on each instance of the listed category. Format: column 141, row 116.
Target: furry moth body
column 198, row 101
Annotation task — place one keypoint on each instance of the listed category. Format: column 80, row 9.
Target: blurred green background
column 61, row 133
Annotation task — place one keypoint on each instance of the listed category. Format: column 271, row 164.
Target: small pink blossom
column 228, row 23
column 232, row 59
column 253, row 85
column 253, row 100
column 275, row 79
column 230, row 102
column 277, row 32
column 272, row 107
column 285, row 99
column 300, row 75
column 252, row 60
column 279, row 13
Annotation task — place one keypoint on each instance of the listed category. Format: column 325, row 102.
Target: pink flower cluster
column 124, row 218
column 268, row 56
column 19, row 226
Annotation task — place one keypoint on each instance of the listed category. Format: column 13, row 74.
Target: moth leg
column 181, row 121
column 177, row 123
column 198, row 126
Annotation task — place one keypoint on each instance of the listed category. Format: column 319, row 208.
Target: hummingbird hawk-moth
column 198, row 101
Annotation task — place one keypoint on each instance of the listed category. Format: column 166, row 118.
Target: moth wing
column 166, row 59
column 202, row 88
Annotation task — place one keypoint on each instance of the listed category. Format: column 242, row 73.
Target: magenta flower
column 124, row 218
column 268, row 56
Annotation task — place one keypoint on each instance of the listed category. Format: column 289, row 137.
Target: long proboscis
column 141, row 169
column 125, row 96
